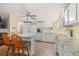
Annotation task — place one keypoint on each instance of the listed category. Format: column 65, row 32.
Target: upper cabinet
column 66, row 17
column 72, row 12
column 77, row 11
column 71, row 15
column 61, row 24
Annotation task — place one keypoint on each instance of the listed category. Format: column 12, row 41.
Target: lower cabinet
column 59, row 47
column 49, row 37
column 66, row 51
column 38, row 36
column 46, row 37
column 62, row 48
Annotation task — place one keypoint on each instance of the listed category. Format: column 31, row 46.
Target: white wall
column 43, row 11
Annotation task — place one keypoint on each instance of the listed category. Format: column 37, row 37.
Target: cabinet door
column 48, row 37
column 72, row 12
column 66, row 17
column 39, row 36
column 67, row 52
column 77, row 11
column 61, row 22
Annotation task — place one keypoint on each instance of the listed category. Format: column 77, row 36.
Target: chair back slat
column 17, row 41
column 6, row 38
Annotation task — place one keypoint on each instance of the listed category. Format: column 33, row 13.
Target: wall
column 58, row 29
column 76, row 31
column 12, row 10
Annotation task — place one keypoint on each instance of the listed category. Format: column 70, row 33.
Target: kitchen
column 49, row 23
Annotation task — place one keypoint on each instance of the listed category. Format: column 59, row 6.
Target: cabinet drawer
column 67, row 51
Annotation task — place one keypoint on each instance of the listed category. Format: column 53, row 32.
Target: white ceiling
column 44, row 11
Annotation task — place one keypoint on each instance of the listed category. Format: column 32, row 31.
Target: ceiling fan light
column 25, row 18
column 29, row 18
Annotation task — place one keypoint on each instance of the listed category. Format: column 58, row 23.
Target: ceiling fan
column 28, row 16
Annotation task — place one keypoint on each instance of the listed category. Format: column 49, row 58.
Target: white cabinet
column 46, row 37
column 49, row 37
column 63, row 49
column 59, row 47
column 77, row 11
column 66, row 51
column 70, row 15
column 39, row 36
column 72, row 12
column 26, row 28
column 66, row 17
column 62, row 22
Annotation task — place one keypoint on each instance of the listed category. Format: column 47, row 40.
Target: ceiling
column 44, row 11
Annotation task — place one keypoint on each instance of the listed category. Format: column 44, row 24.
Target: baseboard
column 44, row 41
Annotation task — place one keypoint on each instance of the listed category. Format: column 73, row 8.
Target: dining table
column 31, row 38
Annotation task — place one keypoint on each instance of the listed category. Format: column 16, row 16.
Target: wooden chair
column 7, row 42
column 19, row 45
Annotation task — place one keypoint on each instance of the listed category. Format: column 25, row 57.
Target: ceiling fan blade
column 22, row 16
column 33, row 15
column 33, row 18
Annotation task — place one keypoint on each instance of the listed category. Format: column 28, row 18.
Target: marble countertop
column 26, row 35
